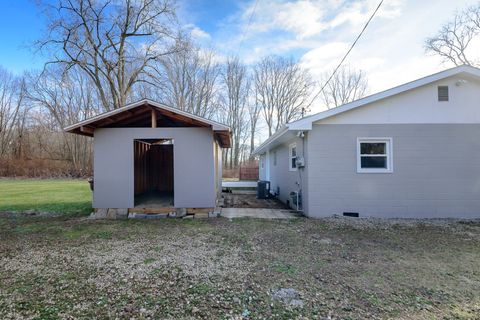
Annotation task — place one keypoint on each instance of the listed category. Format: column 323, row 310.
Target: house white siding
column 429, row 166
column 262, row 172
column 282, row 179
column 420, row 105
column 436, row 171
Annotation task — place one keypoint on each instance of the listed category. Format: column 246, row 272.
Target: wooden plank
column 132, row 119
column 152, row 210
column 119, row 118
column 182, row 118
column 86, row 129
column 199, row 210
column 195, row 212
column 170, row 209
column 154, row 118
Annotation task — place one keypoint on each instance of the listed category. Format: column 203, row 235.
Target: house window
column 292, row 163
column 442, row 93
column 275, row 157
column 374, row 155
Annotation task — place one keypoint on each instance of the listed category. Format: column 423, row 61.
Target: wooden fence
column 248, row 171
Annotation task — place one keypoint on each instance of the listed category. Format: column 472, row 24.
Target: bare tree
column 66, row 98
column 189, row 78
column 12, row 113
column 282, row 88
column 113, row 42
column 236, row 87
column 253, row 114
column 452, row 42
column 345, row 86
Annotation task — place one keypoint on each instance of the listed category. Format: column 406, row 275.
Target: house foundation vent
column 351, row 214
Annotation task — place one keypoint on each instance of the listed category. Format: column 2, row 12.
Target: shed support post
column 154, row 118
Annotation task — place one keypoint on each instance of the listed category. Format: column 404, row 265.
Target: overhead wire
column 346, row 54
column 248, row 24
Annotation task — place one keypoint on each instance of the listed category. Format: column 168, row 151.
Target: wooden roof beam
column 182, row 118
column 129, row 120
column 154, row 118
column 87, row 129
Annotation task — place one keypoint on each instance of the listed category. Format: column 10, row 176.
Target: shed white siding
column 194, row 166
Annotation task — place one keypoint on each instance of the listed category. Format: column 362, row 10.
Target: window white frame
column 291, row 156
column 388, row 153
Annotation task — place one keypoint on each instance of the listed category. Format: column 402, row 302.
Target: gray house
column 152, row 158
column 411, row 151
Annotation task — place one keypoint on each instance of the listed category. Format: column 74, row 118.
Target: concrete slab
column 244, row 191
column 259, row 213
column 239, row 184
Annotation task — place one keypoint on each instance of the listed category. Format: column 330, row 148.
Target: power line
column 248, row 24
column 346, row 54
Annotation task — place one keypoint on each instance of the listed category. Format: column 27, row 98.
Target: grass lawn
column 54, row 196
column 57, row 268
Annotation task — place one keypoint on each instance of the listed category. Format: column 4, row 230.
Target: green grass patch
column 104, row 234
column 48, row 313
column 284, row 268
column 200, row 289
column 54, row 196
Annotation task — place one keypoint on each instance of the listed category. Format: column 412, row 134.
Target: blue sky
column 316, row 32
column 319, row 32
column 20, row 25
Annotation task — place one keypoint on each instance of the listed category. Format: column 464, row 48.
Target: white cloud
column 391, row 51
column 323, row 57
column 199, row 34
column 308, row 18
column 319, row 33
column 302, row 18
column 357, row 13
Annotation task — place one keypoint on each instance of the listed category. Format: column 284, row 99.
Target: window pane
column 294, row 151
column 294, row 163
column 373, row 148
column 374, row 162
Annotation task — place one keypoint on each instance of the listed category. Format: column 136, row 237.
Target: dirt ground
column 59, row 268
column 235, row 200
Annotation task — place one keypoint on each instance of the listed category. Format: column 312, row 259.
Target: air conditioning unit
column 263, row 189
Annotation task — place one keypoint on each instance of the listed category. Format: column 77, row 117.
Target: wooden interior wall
column 140, row 167
column 161, row 167
column 153, row 167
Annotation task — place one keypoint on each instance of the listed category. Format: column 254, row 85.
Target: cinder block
column 100, row 213
column 181, row 212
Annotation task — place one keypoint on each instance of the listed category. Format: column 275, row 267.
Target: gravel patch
column 288, row 296
column 335, row 268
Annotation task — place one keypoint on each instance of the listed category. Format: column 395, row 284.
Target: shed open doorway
column 153, row 173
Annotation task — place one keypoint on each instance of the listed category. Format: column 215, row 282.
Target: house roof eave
column 306, row 123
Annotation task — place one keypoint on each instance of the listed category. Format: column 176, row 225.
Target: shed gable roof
column 139, row 114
